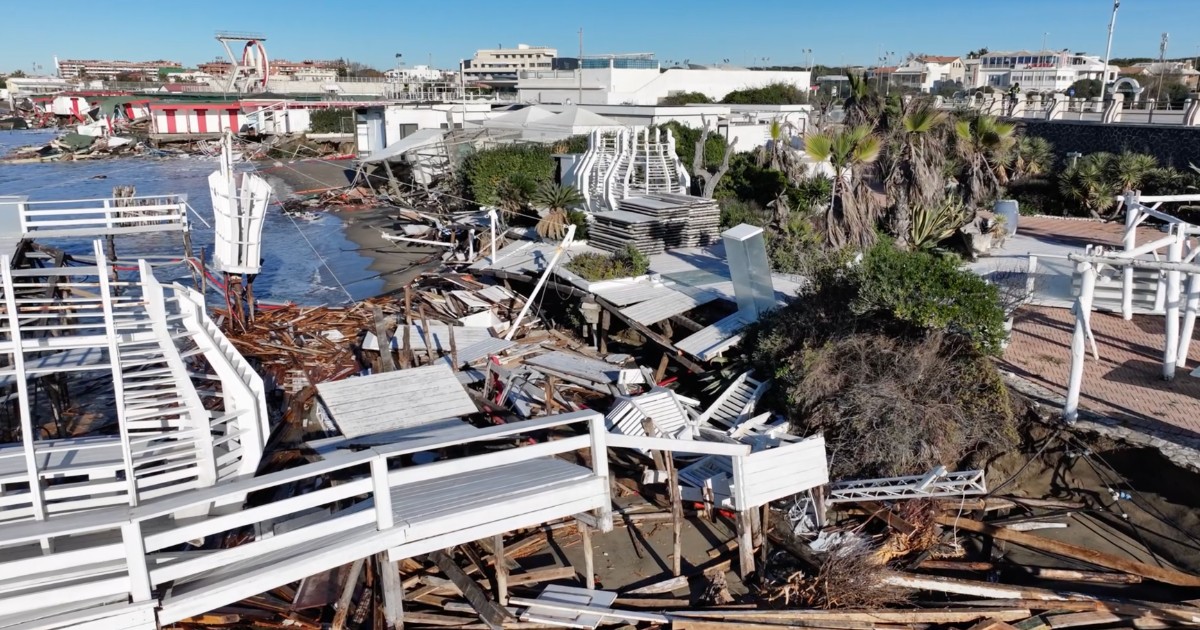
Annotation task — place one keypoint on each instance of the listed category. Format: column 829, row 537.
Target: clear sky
column 703, row 31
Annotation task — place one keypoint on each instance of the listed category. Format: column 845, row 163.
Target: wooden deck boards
column 395, row 400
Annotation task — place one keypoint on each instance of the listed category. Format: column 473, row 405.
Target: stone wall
column 1175, row 146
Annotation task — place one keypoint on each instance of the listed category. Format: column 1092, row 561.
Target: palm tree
column 1033, row 157
column 850, row 217
column 863, row 105
column 778, row 155
column 1128, row 169
column 986, row 145
column 557, row 200
column 917, row 174
column 1089, row 183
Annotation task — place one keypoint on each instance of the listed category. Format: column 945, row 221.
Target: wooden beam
column 501, row 569
column 343, row 603
column 393, row 593
column 589, row 558
column 745, row 544
column 386, row 364
column 1091, row 556
column 676, row 517
column 676, row 353
column 877, row 615
column 491, row 614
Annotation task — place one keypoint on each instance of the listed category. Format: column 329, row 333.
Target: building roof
column 575, row 117
column 520, row 117
column 939, row 58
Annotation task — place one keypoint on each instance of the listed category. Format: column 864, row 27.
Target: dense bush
column 770, row 94
column 524, row 166
column 684, row 98
column 331, row 121
column 889, row 358
column 747, row 180
column 736, row 211
column 1036, row 195
column 685, row 145
column 623, row 264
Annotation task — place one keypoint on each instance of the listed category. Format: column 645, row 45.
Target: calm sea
column 295, row 269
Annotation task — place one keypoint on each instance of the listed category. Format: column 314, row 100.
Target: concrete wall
column 618, row 86
column 1173, row 145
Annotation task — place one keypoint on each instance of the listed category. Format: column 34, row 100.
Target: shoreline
column 395, row 264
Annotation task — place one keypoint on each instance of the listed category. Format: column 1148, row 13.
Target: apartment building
column 1038, row 71
column 928, row 72
column 507, row 62
column 104, row 69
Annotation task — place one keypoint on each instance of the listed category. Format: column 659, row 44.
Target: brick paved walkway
column 1125, row 384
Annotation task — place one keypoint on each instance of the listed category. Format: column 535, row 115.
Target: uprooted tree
column 889, row 358
column 706, row 180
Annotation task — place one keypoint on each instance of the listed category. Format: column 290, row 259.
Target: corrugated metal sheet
column 669, row 302
column 391, row 401
column 715, row 339
column 480, row 350
column 631, row 292
column 593, row 370
column 439, row 336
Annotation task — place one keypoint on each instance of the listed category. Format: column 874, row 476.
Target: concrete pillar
column 1056, row 107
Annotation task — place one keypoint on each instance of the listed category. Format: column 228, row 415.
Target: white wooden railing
column 1170, row 248
column 147, row 532
column 102, row 217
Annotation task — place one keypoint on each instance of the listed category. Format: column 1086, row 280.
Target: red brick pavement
column 1081, row 232
column 1125, row 384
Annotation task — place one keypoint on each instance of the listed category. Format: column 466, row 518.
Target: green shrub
column 337, row 120
column 684, row 98
column 685, row 145
column 1036, row 195
column 526, row 165
column 929, row 293
column 579, row 219
column 628, row 262
column 770, row 94
column 889, row 358
column 737, row 211
column 810, row 193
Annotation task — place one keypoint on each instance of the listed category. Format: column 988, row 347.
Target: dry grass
column 892, row 407
column 849, row 577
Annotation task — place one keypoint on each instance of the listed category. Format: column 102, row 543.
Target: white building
column 415, row 74
column 1040, row 71
column 489, row 62
column 25, row 87
column 313, row 73
column 639, row 80
column 929, row 72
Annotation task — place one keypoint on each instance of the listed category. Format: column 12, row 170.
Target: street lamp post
column 1112, row 22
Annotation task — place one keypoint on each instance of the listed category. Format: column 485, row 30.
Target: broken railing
column 93, row 217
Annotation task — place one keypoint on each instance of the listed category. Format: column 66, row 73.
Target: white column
column 1129, row 242
column 1083, row 306
column 1189, row 320
column 1170, row 351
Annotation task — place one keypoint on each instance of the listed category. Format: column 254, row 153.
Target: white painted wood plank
column 395, row 400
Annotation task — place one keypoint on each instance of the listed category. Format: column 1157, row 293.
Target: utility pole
column 1044, row 41
column 579, row 96
column 1162, row 55
column 1108, row 50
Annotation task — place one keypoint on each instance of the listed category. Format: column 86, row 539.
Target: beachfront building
column 927, row 73
column 503, row 64
column 416, row 74
column 1039, row 71
column 1170, row 71
column 639, row 79
column 103, row 69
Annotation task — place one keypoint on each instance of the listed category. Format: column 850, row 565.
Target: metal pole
column 558, row 252
column 1108, row 51
column 579, row 95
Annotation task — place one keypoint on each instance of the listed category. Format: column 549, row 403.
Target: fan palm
column 1127, row 170
column 1033, row 156
column 849, row 217
column 986, row 146
column 916, row 176
column 1088, row 183
column 557, row 200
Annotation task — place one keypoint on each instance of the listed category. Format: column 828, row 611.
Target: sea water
column 305, row 261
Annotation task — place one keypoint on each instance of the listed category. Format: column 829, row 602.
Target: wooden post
column 1128, row 242
column 490, row 613
column 589, row 559
column 764, row 526
column 1174, row 279
column 386, row 364
column 393, row 591
column 745, row 544
column 501, row 569
column 428, row 338
column 453, row 348
column 343, row 603
column 605, row 322
column 550, row 405
column 411, row 357
column 676, row 517
column 662, row 370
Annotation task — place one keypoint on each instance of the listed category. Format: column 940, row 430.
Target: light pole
column 1112, row 22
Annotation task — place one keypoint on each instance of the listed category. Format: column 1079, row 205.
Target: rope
column 320, row 257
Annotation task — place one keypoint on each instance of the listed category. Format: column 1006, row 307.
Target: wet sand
column 395, row 263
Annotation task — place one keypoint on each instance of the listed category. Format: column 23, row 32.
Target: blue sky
column 373, row 31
